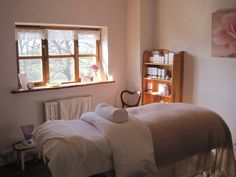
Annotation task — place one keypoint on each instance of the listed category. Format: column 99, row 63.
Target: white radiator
column 51, row 110
column 68, row 108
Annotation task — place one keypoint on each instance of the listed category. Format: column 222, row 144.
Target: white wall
column 208, row 81
column 133, row 45
column 139, row 38
column 25, row 108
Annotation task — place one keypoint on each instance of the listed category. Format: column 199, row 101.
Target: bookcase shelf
column 162, row 78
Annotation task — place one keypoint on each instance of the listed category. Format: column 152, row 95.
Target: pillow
column 113, row 114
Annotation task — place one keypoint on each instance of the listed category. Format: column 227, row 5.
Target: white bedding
column 131, row 144
column 75, row 149
column 79, row 148
column 182, row 136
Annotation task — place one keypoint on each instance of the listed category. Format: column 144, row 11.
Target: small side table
column 22, row 150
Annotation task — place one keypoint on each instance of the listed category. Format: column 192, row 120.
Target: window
column 88, row 51
column 57, row 55
column 30, row 56
column 61, row 56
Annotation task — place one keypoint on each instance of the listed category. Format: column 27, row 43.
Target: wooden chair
column 130, row 98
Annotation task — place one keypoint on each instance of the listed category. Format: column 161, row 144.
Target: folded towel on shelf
column 111, row 113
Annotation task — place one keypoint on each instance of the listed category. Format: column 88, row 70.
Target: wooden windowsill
column 62, row 86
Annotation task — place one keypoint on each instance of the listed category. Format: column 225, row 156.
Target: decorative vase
column 97, row 76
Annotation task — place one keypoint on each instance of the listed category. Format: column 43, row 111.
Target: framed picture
column 23, row 81
column 224, row 33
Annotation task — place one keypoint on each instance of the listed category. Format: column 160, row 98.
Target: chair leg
column 44, row 158
column 22, row 159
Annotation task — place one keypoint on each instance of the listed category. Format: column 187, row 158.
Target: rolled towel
column 111, row 113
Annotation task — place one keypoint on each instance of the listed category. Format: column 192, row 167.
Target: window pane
column 60, row 42
column 29, row 44
column 61, row 70
column 32, row 68
column 84, row 66
column 87, row 44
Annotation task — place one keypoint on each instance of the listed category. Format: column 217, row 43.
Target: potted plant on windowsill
column 95, row 69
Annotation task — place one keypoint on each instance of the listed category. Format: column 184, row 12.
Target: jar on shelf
column 149, row 86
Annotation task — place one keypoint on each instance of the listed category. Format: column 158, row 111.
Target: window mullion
column 45, row 61
column 87, row 55
column 76, row 59
column 60, row 56
column 97, row 51
column 18, row 65
column 29, row 57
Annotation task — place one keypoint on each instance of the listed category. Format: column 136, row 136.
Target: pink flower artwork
column 224, row 33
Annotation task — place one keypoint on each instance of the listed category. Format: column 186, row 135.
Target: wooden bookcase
column 162, row 78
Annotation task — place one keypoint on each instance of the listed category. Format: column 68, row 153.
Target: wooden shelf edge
column 157, row 64
column 156, row 94
column 162, row 80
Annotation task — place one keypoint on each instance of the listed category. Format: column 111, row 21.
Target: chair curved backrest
column 130, row 98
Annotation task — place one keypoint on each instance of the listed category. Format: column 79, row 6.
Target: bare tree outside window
column 61, row 55
column 61, row 42
column 87, row 46
column 30, row 46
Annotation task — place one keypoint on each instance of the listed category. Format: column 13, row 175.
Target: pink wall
column 185, row 25
column 24, row 108
column 133, row 45
column 175, row 25
column 208, row 81
column 139, row 38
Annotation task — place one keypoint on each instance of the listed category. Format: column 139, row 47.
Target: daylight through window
column 58, row 55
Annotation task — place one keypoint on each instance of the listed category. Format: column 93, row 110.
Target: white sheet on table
column 74, row 148
column 131, row 144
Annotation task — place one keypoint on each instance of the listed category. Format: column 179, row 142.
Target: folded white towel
column 111, row 113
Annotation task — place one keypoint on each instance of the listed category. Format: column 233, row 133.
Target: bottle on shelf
column 149, row 86
column 162, row 76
